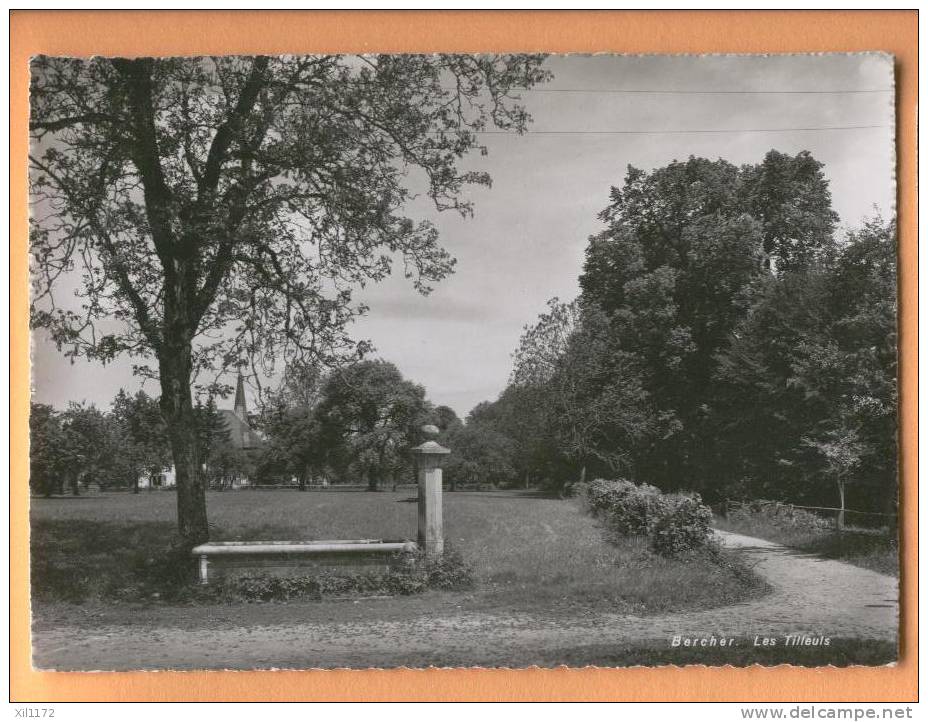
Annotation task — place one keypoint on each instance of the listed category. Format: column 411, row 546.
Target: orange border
column 205, row 32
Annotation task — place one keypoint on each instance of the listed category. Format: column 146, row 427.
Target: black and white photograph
column 512, row 360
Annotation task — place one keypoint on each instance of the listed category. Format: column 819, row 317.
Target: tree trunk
column 371, row 480
column 177, row 409
column 839, row 522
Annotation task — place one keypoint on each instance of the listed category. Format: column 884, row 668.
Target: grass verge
column 877, row 551
column 527, row 553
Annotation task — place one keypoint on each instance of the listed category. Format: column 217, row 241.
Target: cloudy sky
column 526, row 240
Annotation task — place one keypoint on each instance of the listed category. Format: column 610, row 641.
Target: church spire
column 240, row 409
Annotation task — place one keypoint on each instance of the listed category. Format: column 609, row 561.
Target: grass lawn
column 528, row 552
column 872, row 550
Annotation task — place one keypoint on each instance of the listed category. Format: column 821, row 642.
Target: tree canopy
column 368, row 419
column 221, row 209
column 726, row 339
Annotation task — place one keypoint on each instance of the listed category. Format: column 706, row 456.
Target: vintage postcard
column 456, row 360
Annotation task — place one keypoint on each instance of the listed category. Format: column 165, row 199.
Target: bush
column 673, row 523
column 449, row 571
column 784, row 516
column 603, row 495
column 413, row 573
column 682, row 525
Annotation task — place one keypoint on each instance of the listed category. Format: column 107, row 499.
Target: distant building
column 165, row 479
column 241, row 435
column 230, row 466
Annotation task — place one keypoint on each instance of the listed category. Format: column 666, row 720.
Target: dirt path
column 809, row 596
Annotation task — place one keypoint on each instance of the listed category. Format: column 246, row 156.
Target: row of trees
column 726, row 339
column 358, row 423
column 83, row 445
column 355, row 424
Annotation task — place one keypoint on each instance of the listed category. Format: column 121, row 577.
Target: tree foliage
column 368, row 420
column 224, row 208
column 726, row 340
column 144, row 446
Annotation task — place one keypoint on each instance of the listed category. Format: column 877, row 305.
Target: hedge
column 672, row 523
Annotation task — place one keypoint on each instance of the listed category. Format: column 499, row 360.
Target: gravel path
column 810, row 596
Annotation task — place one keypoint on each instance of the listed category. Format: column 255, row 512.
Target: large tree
column 687, row 248
column 369, row 418
column 805, row 395
column 588, row 390
column 225, row 207
column 142, row 435
column 48, row 457
column 89, row 444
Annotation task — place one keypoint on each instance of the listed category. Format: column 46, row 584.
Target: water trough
column 286, row 558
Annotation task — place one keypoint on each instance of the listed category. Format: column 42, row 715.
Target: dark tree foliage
column 481, row 456
column 224, row 208
column 90, row 446
column 368, row 419
column 144, row 445
column 677, row 269
column 586, row 392
column 211, row 434
column 808, row 387
column 789, row 197
column 48, row 459
column 445, row 418
column 294, row 447
column 725, row 341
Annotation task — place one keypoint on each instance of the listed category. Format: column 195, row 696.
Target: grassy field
column 529, row 552
column 873, row 550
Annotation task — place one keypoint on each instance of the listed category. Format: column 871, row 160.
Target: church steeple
column 239, row 408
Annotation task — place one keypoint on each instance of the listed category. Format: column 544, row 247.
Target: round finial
column 430, row 430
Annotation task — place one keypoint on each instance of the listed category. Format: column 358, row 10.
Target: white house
column 166, row 479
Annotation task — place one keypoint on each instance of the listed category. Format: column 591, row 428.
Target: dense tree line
column 727, row 339
column 84, row 445
column 356, row 424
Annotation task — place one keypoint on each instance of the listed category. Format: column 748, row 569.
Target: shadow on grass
column 76, row 561
column 73, row 560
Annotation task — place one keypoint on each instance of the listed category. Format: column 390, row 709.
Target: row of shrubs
column 672, row 523
column 781, row 515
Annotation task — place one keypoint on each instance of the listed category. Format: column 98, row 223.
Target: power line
column 705, row 92
column 683, row 130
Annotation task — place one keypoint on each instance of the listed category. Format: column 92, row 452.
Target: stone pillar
column 429, row 457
